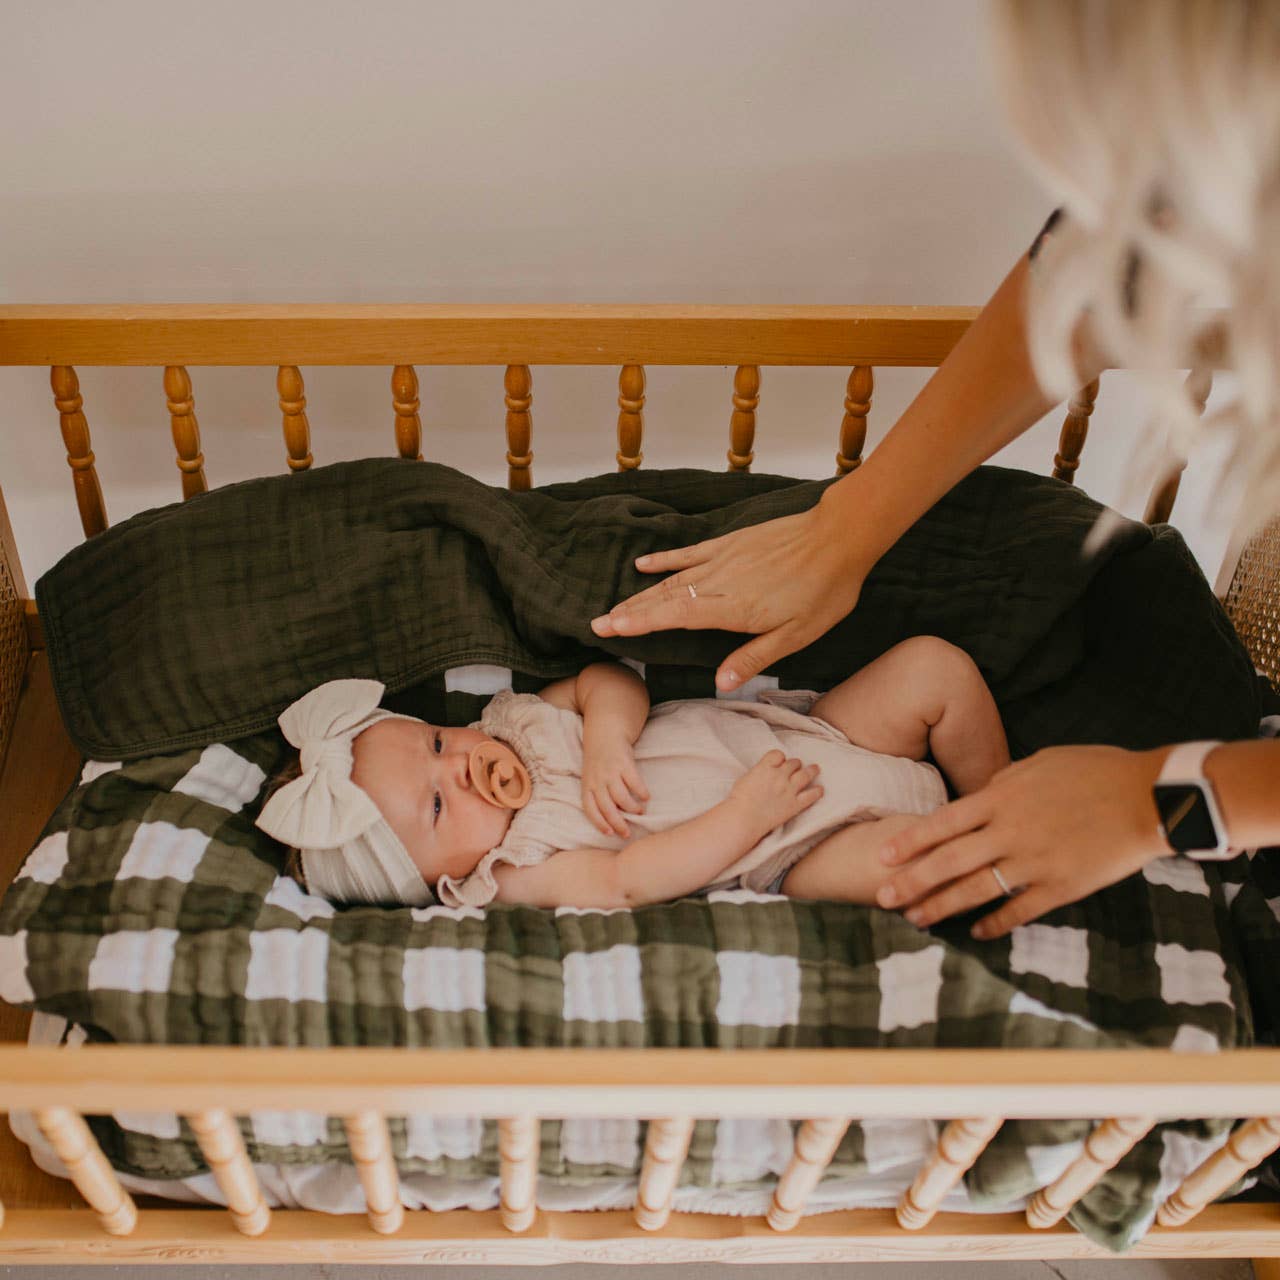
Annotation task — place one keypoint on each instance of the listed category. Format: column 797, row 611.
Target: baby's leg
column 923, row 695
column 846, row 865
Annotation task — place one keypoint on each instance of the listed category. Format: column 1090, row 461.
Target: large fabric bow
column 323, row 808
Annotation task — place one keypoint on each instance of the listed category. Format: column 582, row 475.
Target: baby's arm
column 614, row 704
column 671, row 863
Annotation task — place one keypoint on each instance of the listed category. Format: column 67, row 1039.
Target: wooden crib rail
column 667, row 1087
column 1012, row 1083
column 308, row 334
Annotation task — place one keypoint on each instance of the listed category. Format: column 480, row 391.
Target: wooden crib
column 45, row 1220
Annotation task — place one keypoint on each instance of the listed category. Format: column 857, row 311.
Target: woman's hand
column 788, row 581
column 1055, row 826
column 775, row 789
column 611, row 783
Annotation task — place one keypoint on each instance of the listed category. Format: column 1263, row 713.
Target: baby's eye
column 435, row 807
column 439, row 745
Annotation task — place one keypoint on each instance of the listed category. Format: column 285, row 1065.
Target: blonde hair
column 1157, row 124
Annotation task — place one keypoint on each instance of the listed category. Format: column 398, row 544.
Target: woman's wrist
column 844, row 529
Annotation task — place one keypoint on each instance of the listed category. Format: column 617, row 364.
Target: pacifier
column 498, row 776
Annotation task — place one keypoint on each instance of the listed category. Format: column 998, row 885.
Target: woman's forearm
column 1246, row 781
column 982, row 396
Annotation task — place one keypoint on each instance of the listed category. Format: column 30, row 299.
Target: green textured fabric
column 200, row 622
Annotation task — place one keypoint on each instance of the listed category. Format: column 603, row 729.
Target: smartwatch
column 1190, row 819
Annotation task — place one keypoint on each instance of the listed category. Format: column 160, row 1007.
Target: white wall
column 812, row 151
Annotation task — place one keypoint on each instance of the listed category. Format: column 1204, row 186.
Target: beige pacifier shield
column 498, row 775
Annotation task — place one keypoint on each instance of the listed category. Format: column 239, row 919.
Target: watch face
column 1185, row 816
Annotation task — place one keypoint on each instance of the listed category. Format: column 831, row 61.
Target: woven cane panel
column 13, row 650
column 1253, row 600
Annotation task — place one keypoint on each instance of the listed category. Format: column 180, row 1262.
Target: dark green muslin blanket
column 199, row 622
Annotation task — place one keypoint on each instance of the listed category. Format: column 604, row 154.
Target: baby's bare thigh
column 846, row 865
column 891, row 703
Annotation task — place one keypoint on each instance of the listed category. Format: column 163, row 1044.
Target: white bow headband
column 349, row 853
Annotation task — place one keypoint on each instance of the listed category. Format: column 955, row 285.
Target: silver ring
column 693, row 591
column 1000, row 880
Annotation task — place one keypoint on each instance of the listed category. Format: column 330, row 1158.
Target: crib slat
column 223, row 1149
column 1252, row 1142
column 293, row 404
column 371, row 1152
column 518, row 1139
column 95, row 1179
column 853, row 427
column 742, row 423
column 631, row 383
column 404, row 400
column 75, row 436
column 1102, row 1152
column 816, row 1143
column 518, row 384
column 1165, row 491
column 186, row 430
column 961, row 1143
column 665, row 1147
column 1075, row 428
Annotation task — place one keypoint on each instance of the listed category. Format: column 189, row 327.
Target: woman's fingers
column 943, row 866
column 952, row 820
column 676, row 557
column 963, row 894
column 664, row 605
column 763, row 651
column 1019, row 910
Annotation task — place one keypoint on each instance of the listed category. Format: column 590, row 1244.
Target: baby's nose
column 458, row 767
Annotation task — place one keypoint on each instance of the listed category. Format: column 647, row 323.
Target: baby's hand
column 611, row 782
column 775, row 789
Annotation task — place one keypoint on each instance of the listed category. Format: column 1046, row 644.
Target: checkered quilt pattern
column 152, row 910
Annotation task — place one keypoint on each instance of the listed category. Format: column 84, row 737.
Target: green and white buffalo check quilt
column 154, row 911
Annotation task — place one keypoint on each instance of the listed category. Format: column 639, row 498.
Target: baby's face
column 416, row 773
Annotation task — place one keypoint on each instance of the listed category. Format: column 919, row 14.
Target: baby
column 581, row 796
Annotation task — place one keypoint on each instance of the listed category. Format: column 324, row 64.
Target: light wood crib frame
column 46, row 1221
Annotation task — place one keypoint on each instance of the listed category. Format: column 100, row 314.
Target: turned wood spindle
column 816, row 1144
column 223, row 1150
column 94, row 1177
column 1075, row 427
column 371, row 1153
column 293, row 404
column 665, row 1147
column 1248, row 1146
column 630, row 416
column 853, row 426
column 1103, row 1150
column 961, row 1143
column 518, row 384
column 1165, row 491
column 75, row 436
column 518, row 1138
column 404, row 400
column 186, row 430
column 742, row 422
